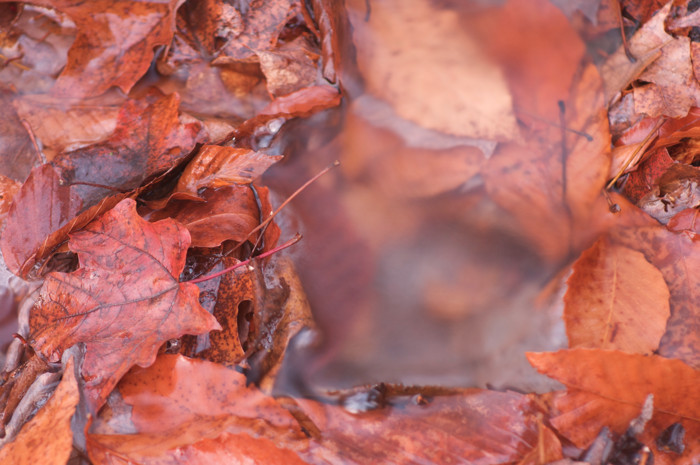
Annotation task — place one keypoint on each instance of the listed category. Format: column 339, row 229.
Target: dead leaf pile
column 133, row 136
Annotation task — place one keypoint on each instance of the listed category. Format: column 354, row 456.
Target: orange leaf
column 608, row 388
column 124, row 300
column 217, row 166
column 200, row 410
column 677, row 256
column 47, row 438
column 615, row 300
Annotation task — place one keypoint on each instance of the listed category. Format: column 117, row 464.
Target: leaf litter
column 135, row 139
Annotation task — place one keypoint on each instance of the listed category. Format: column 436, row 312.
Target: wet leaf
column 42, row 205
column 198, row 410
column 217, row 166
column 608, row 388
column 676, row 256
column 471, row 98
column 47, row 438
column 610, row 288
column 17, row 154
column 227, row 213
column 115, row 42
column 552, row 188
column 108, row 305
column 476, row 427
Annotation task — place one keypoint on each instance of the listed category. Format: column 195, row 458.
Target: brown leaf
column 8, row 189
column 287, row 70
column 148, row 140
column 641, row 181
column 184, row 408
column 42, row 205
column 615, row 300
column 608, row 388
column 645, row 45
column 108, row 305
column 469, row 97
column 227, row 213
column 47, row 438
column 285, row 312
column 475, row 427
column 673, row 89
column 217, row 166
column 263, row 21
column 115, row 42
column 17, row 154
column 677, row 257
column 429, row 165
column 69, row 124
column 551, row 202
column 686, row 221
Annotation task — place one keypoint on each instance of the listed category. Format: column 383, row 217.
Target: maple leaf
column 610, row 288
column 148, row 139
column 124, row 300
column 608, row 388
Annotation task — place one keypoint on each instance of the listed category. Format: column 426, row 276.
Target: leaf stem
column 289, row 243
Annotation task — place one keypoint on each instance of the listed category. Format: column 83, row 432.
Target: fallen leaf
column 47, row 438
column 42, row 205
column 227, row 213
column 676, row 256
column 404, row 168
column 200, row 410
column 677, row 188
column 550, row 187
column 643, row 180
column 17, row 154
column 645, row 45
column 148, row 140
column 108, row 305
column 64, row 125
column 8, row 189
column 217, row 166
column 469, row 97
column 686, row 221
column 608, row 388
column 115, row 42
column 475, row 426
column 615, row 300
column 287, row 70
column 673, row 89
column 263, row 21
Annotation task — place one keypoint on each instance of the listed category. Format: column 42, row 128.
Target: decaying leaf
column 107, row 304
column 115, row 42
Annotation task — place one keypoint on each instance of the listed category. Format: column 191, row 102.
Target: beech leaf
column 124, row 300
column 615, row 299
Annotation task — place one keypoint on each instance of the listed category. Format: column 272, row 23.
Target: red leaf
column 42, row 206
column 124, row 300
column 115, row 42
